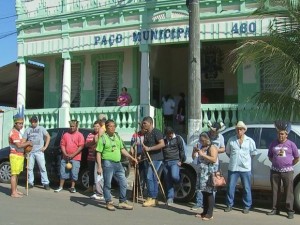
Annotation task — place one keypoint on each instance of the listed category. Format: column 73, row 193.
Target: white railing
column 127, row 117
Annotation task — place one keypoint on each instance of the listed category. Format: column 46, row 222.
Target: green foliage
column 278, row 57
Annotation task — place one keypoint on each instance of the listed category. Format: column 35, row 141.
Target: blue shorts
column 69, row 174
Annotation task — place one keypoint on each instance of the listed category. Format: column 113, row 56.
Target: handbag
column 217, row 179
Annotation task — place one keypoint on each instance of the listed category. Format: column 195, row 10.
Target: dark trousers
column 208, row 204
column 287, row 179
column 168, row 119
column 91, row 167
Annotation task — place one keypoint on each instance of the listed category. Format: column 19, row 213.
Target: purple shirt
column 282, row 155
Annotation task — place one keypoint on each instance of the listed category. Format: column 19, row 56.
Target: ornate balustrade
column 41, row 8
column 127, row 117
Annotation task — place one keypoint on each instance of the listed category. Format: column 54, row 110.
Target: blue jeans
column 233, row 177
column 152, row 183
column 199, row 199
column 113, row 169
column 172, row 177
column 39, row 157
column 69, row 174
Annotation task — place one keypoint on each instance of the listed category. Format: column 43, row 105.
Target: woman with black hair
column 207, row 156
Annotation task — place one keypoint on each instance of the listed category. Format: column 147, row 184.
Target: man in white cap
column 240, row 149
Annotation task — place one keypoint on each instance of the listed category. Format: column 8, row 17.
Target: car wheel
column 83, row 180
column 297, row 196
column 185, row 190
column 5, row 172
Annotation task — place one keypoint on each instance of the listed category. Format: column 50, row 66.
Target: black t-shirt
column 151, row 139
column 181, row 105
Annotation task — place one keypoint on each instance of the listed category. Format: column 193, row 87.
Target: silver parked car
column 263, row 135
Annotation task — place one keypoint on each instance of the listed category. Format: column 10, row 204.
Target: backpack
column 182, row 153
column 118, row 136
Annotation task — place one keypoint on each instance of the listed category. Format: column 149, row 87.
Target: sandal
column 200, row 215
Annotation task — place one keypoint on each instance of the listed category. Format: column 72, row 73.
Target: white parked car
column 263, row 135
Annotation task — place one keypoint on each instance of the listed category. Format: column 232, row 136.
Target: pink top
column 124, row 99
column 92, row 149
column 72, row 142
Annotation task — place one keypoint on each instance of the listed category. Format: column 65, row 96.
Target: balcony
column 127, row 117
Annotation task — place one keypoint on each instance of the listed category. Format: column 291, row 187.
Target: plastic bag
column 99, row 184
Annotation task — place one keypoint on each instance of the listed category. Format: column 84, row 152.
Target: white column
column 66, row 94
column 21, row 95
column 145, row 81
column 66, row 85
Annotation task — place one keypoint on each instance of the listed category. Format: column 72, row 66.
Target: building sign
column 243, row 28
column 179, row 34
column 160, row 34
column 144, row 36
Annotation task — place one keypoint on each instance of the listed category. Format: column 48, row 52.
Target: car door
column 53, row 153
column 261, row 163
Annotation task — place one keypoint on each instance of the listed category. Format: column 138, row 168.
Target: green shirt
column 111, row 148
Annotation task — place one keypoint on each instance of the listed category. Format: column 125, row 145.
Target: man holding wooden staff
column 153, row 144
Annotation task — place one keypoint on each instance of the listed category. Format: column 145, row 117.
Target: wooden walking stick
column 134, row 181
column 155, row 172
column 27, row 150
column 140, row 187
column 27, row 165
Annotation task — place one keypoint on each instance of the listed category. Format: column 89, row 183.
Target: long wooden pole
column 27, row 165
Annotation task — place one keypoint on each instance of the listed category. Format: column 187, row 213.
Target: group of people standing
column 241, row 148
column 153, row 148
column 35, row 138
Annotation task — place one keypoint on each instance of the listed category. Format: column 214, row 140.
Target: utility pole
column 194, row 76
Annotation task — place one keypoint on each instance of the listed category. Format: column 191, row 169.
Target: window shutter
column 75, row 84
column 108, row 83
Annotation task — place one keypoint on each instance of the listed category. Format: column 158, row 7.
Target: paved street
column 46, row 207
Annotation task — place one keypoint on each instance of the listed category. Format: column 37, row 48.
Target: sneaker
column 72, row 190
column 110, row 206
column 228, row 209
column 196, row 207
column 246, row 211
column 47, row 187
column 58, row 189
column 170, row 201
column 150, row 202
column 30, row 186
column 125, row 205
column 97, row 197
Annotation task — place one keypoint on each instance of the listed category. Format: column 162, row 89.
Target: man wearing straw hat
column 240, row 149
column 16, row 156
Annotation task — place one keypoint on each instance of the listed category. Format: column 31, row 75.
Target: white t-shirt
column 168, row 106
